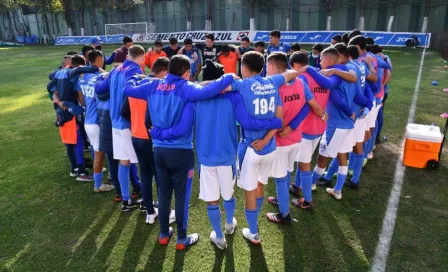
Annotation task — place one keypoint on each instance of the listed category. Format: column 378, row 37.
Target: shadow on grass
column 156, row 258
column 227, row 253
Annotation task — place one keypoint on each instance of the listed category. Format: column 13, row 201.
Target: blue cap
column 96, row 41
column 73, row 109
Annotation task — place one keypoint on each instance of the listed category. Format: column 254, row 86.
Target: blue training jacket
column 167, row 98
column 114, row 84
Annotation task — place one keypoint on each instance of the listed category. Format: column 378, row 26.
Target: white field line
column 387, row 231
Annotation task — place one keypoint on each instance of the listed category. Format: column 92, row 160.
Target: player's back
column 336, row 117
column 64, row 86
column 261, row 97
column 216, row 131
column 86, row 84
column 358, row 86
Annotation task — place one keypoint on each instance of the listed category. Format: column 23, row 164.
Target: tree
column 289, row 16
column 188, row 13
column 252, row 14
column 395, row 4
column 67, row 4
column 45, row 7
column 362, row 11
column 80, row 5
column 152, row 25
column 208, row 14
column 425, row 19
column 329, row 6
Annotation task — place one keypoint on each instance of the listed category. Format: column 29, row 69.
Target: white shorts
column 122, row 145
column 285, row 157
column 340, row 142
column 215, row 180
column 371, row 117
column 93, row 132
column 307, row 148
column 360, row 130
column 255, row 168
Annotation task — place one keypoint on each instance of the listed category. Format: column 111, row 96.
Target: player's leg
column 93, row 133
column 226, row 177
column 381, row 119
column 83, row 176
column 357, row 156
column 113, row 170
column 325, row 152
column 135, row 181
column 72, row 157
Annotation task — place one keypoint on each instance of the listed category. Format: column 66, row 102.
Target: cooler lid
column 424, row 133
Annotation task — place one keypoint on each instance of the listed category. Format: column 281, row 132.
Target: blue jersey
column 261, row 97
column 282, row 47
column 114, row 84
column 360, row 83
column 167, row 98
column 193, row 63
column 86, row 85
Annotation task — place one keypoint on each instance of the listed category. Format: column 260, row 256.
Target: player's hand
column 363, row 113
column 235, row 77
column 195, row 56
column 302, row 70
column 101, row 70
column 328, row 72
column 353, row 116
column 369, row 59
column 325, row 118
column 284, row 132
column 142, row 76
column 205, row 83
column 104, row 75
column 259, row 144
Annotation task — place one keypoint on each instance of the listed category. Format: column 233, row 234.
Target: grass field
column 49, row 222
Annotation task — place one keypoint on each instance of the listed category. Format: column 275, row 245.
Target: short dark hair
column 254, row 61
column 127, row 39
column 158, row 42
column 188, row 41
column 354, row 33
column 295, row 47
column 260, row 44
column 369, row 43
column 85, row 49
column 78, row 60
column 319, row 47
column 376, row 49
column 298, row 57
column 342, row 49
column 337, row 38
column 179, row 64
column 331, row 51
column 345, row 38
column 245, row 39
column 94, row 54
column 210, row 36
column 353, row 51
column 71, row 53
column 160, row 65
column 358, row 40
column 275, row 33
column 225, row 48
column 279, row 59
column 136, row 51
column 173, row 40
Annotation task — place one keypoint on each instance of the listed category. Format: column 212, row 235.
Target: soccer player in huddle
column 275, row 45
column 315, row 56
column 257, row 150
column 228, row 59
column 152, row 55
column 172, row 49
column 174, row 159
column 121, row 135
column 195, row 59
column 260, row 47
column 85, row 87
column 297, row 101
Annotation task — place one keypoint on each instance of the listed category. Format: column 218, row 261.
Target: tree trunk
column 11, row 27
column 252, row 15
column 425, row 19
column 152, row 25
column 392, row 17
column 56, row 22
column 12, row 15
column 362, row 11
column 288, row 18
column 208, row 14
column 68, row 15
column 38, row 27
column 82, row 20
column 46, row 28
column 329, row 11
column 188, row 14
column 95, row 21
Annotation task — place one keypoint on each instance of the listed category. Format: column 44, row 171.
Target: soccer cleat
column 84, row 178
column 253, row 238
column 220, row 243
column 172, row 217
column 128, row 205
column 302, row 204
column 293, row 189
column 189, row 241
column 151, row 218
column 142, row 206
column 324, row 182
column 104, row 188
column 136, row 194
column 74, row 173
column 332, row 192
column 352, row 185
column 279, row 218
column 164, row 241
column 118, row 198
column 364, row 163
column 313, row 187
column 230, row 228
column 370, row 156
column 273, row 200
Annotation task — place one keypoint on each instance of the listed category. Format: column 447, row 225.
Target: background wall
column 234, row 15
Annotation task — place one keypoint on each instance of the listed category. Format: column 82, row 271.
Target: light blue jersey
column 261, row 97
column 86, row 85
column 359, row 86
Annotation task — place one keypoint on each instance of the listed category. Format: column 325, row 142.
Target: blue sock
column 342, row 175
column 123, row 178
column 357, row 167
column 317, row 173
column 334, row 165
column 298, row 181
column 92, row 153
column 229, row 207
column 365, row 147
column 134, row 178
column 252, row 220
column 350, row 161
column 214, row 214
column 282, row 195
column 307, row 180
column 98, row 179
column 259, row 204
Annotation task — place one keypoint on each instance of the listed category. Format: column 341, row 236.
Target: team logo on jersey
column 262, row 89
column 291, row 98
column 241, row 35
column 191, row 173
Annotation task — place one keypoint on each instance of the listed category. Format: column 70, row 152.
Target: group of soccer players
column 285, row 100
